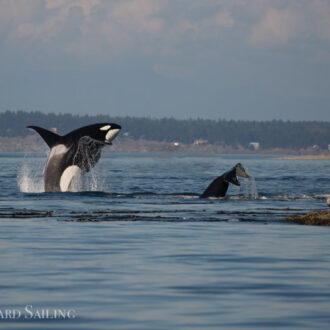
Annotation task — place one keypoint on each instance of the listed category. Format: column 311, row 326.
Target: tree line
column 270, row 134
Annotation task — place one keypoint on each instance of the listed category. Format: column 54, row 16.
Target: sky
column 215, row 59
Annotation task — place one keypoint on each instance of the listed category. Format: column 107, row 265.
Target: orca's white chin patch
column 67, row 176
column 111, row 135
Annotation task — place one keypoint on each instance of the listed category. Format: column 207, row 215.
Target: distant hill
column 270, row 134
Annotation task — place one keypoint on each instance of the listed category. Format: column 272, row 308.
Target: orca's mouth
column 110, row 136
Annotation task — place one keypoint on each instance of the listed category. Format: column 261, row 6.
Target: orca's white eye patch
column 105, row 128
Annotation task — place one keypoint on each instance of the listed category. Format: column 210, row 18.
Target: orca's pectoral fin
column 49, row 137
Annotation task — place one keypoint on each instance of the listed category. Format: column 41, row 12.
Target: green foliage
column 270, row 134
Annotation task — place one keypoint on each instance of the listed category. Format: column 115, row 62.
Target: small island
column 315, row 218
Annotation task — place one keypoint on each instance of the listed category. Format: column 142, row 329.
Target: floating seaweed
column 315, row 218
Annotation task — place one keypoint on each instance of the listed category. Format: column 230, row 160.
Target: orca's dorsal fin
column 49, row 137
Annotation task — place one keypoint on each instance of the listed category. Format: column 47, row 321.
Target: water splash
column 29, row 180
column 30, row 177
column 253, row 187
column 249, row 188
column 95, row 183
column 87, row 155
column 91, row 181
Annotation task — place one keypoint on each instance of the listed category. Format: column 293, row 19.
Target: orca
column 75, row 153
column 219, row 186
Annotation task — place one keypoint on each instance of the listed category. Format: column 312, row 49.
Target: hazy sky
column 233, row 59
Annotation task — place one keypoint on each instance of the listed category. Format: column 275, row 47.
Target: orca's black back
column 217, row 188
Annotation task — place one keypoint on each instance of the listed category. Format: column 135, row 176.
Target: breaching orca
column 218, row 187
column 75, row 153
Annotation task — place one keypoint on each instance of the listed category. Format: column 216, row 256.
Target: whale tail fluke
column 49, row 137
column 219, row 186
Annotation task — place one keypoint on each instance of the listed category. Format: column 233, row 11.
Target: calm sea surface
column 133, row 247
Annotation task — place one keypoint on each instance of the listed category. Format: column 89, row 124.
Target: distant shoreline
column 307, row 157
column 33, row 143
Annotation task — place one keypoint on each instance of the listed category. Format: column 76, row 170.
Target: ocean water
column 133, row 247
